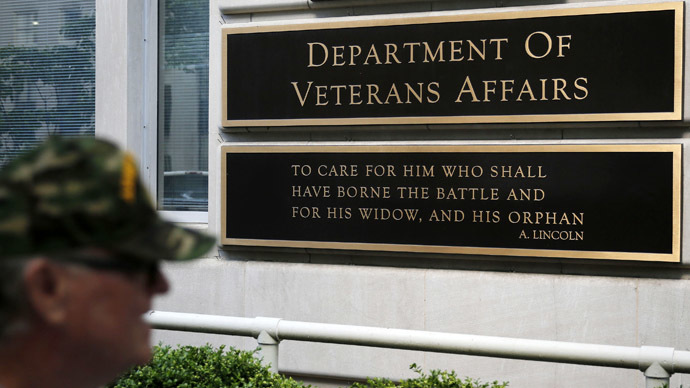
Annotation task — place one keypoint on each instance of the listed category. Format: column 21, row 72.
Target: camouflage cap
column 69, row 194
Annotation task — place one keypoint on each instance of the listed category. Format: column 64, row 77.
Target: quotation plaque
column 617, row 202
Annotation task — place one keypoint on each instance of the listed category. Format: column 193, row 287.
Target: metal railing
column 657, row 363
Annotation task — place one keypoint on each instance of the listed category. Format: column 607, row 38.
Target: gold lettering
column 561, row 45
column 438, row 53
column 526, row 88
column 321, row 93
column 498, row 46
column 353, row 55
column 391, row 49
column 548, row 44
column 578, row 219
column 311, row 54
column 411, row 45
column 417, row 94
column 434, row 92
column 454, row 50
column 354, row 94
column 372, row 54
column 302, row 99
column 547, row 218
column 393, row 92
column 337, row 92
column 488, row 90
column 473, row 47
column 505, row 89
column 559, row 89
column 467, row 88
column 373, row 93
column 581, row 88
column 338, row 53
column 543, row 89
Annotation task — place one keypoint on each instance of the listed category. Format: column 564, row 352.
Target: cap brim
column 166, row 241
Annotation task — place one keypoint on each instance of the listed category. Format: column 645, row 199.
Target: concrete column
column 126, row 52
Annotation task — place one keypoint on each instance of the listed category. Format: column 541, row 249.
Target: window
column 47, row 75
column 183, row 105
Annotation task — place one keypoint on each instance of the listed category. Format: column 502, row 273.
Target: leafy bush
column 192, row 367
column 435, row 379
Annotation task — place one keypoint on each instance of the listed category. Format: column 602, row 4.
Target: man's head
column 80, row 245
column 70, row 194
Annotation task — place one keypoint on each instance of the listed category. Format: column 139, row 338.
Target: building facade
column 140, row 101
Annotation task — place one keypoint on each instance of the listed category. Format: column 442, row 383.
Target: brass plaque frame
column 673, row 256
column 356, row 22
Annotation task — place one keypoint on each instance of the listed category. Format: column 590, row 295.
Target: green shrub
column 197, row 367
column 194, row 367
column 435, row 379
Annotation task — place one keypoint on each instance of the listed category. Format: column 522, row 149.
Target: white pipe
column 202, row 323
column 673, row 361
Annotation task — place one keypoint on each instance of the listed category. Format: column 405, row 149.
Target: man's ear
column 46, row 285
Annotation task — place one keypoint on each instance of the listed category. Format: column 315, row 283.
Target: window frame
column 127, row 86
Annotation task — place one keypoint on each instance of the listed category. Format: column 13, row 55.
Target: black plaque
column 578, row 201
column 610, row 63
